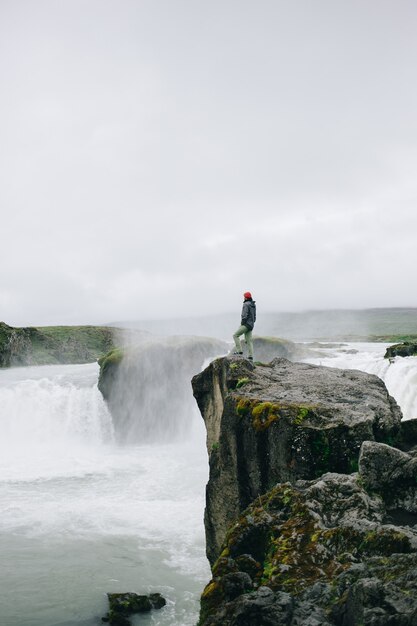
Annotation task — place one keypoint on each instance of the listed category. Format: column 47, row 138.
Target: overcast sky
column 160, row 157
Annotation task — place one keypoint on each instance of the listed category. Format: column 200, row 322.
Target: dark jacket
column 249, row 314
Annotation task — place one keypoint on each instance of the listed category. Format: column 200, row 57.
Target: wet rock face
column 407, row 348
column 15, row 346
column 319, row 552
column 282, row 422
column 393, row 474
column 123, row 605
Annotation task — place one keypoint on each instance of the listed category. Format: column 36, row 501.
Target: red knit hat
column 247, row 295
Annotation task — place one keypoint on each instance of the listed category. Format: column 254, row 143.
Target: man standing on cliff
column 246, row 325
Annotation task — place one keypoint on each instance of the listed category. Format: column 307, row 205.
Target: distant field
column 53, row 344
column 388, row 325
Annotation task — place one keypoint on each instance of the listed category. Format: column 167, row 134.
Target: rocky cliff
column 295, row 535
column 340, row 550
column 55, row 344
column 282, row 422
column 407, row 348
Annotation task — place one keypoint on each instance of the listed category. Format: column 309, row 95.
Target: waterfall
column 49, row 422
column 399, row 376
column 33, row 411
column 83, row 515
column 151, row 398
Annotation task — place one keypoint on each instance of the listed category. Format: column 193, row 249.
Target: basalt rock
column 281, row 423
column 408, row 348
column 408, row 435
column 123, row 605
column 322, row 552
column 393, row 474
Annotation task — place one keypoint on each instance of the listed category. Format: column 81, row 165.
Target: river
column 83, row 515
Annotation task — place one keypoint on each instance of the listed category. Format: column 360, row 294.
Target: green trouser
column 243, row 330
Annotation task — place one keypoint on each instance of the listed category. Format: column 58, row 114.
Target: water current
column 400, row 375
column 82, row 515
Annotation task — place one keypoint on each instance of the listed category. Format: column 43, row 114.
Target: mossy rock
column 401, row 349
column 299, row 537
column 109, row 365
column 265, row 413
column 122, row 605
column 288, row 421
column 114, row 357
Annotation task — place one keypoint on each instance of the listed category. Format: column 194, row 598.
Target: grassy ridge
column 49, row 345
column 394, row 338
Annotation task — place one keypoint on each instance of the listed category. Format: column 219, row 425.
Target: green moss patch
column 407, row 348
column 114, row 357
column 293, row 549
column 264, row 414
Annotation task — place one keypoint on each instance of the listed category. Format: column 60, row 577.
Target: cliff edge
column 282, row 422
column 311, row 517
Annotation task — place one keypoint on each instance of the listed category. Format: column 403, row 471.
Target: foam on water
column 82, row 515
column 51, row 424
column 400, row 375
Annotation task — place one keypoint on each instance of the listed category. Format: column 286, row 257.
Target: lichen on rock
column 407, row 348
column 123, row 605
column 289, row 421
column 308, row 544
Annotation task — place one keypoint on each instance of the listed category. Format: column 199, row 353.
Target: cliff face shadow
column 311, row 512
column 401, row 517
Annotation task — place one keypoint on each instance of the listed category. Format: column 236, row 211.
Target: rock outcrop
column 323, row 552
column 123, row 605
column 408, row 348
column 280, row 423
column 147, row 387
column 55, row 344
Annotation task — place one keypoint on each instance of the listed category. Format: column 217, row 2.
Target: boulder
column 282, row 422
column 123, row 605
column 408, row 435
column 408, row 348
column 325, row 553
column 393, row 474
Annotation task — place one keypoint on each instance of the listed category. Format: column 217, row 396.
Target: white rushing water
column 400, row 375
column 82, row 516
